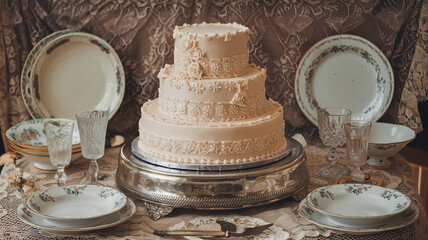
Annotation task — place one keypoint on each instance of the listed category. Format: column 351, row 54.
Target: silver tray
column 162, row 189
column 205, row 167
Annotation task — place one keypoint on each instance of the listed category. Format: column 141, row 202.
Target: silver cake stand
column 163, row 188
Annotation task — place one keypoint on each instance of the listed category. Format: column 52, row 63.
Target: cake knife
column 247, row 232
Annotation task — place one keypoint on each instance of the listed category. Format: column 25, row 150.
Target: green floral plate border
column 39, row 201
column 398, row 201
column 25, row 216
column 398, row 221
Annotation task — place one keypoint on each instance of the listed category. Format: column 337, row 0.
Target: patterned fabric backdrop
column 141, row 33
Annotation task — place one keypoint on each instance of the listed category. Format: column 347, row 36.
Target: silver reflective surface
column 199, row 189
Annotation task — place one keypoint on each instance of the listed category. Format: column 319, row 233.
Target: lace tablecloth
column 282, row 213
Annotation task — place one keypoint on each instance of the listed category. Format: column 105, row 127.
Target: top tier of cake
column 211, row 50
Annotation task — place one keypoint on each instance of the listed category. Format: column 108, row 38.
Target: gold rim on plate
column 13, row 145
column 32, row 154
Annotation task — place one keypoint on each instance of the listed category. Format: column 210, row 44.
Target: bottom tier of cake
column 211, row 142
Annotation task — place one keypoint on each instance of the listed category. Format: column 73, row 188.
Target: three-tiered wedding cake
column 212, row 107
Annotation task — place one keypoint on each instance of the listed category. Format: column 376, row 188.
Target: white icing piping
column 162, row 94
column 227, row 36
column 163, row 73
column 220, row 124
column 204, row 160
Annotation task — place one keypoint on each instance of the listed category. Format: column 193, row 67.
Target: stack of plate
column 76, row 208
column 70, row 71
column 29, row 139
column 358, row 208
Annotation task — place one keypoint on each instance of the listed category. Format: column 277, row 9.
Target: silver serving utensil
column 247, row 232
column 226, row 226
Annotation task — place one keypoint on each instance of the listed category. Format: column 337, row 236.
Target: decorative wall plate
column 398, row 221
column 77, row 202
column 26, row 70
column 75, row 72
column 38, row 221
column 361, row 205
column 344, row 71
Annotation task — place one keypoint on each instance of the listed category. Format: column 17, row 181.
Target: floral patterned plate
column 76, row 203
column 31, row 134
column 74, row 72
column 358, row 204
column 26, row 70
column 59, row 226
column 344, row 71
column 397, row 221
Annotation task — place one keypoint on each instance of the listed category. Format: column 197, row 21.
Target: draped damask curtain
column 281, row 32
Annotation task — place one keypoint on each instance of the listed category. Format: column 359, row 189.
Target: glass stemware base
column 60, row 176
column 333, row 170
column 357, row 175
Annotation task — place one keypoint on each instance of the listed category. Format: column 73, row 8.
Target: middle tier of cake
column 213, row 100
column 240, row 141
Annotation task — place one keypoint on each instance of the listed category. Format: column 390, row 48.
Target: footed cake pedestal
column 162, row 188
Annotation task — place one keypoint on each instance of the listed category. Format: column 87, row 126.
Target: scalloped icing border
column 196, row 151
column 211, row 124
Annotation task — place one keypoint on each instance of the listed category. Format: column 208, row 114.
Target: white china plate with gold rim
column 358, row 204
column 59, row 226
column 75, row 72
column 77, row 202
column 395, row 222
column 26, row 71
column 344, row 71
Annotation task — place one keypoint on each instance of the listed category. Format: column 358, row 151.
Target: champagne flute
column 92, row 128
column 357, row 140
column 59, row 135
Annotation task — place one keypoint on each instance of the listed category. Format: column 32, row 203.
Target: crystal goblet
column 92, row 128
column 330, row 126
column 357, row 140
column 59, row 136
